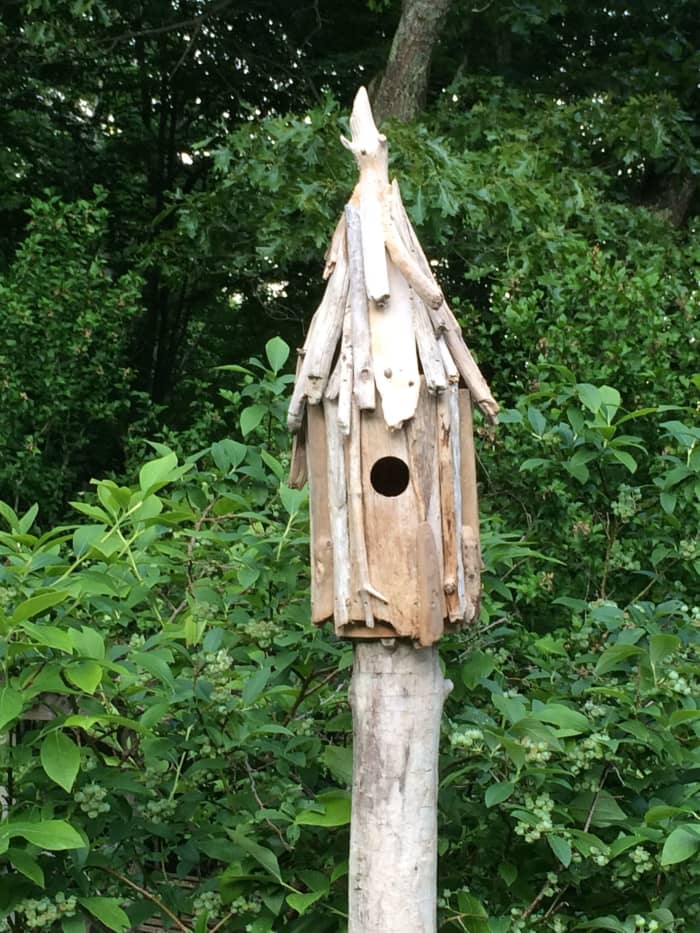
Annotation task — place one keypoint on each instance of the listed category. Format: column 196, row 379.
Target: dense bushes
column 180, row 735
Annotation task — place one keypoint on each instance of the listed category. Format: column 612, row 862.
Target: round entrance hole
column 389, row 476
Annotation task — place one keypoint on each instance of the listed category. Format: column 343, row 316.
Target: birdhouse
column 382, row 417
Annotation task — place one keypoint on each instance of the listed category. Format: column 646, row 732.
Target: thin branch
column 144, row 893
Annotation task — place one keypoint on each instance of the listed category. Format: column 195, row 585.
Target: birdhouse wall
column 418, row 534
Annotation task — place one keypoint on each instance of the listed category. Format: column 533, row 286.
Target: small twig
column 304, row 693
column 144, row 893
column 262, row 806
column 220, row 924
column 589, row 818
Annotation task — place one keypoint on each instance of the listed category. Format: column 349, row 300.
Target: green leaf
column 255, row 685
column 251, row 418
column 668, row 502
column 87, row 536
column 60, row 759
column 28, row 866
column 625, row 459
column 107, row 911
column 50, row 636
column 302, row 902
column 681, row 845
column 277, row 352
column 537, row 421
column 228, row 454
column 262, row 856
column 661, row 646
column 157, row 473
column 11, row 705
column 88, row 642
column 561, row 849
column 154, row 665
column 74, row 925
column 600, row 809
column 472, row 913
column 292, row 499
column 590, row 396
column 338, row 760
column 614, row 656
column 497, row 793
column 336, row 811
column 478, row 665
column 562, row 716
column 52, row 835
column 36, row 605
column 86, row 675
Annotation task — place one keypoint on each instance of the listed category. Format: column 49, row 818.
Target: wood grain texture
column 322, row 599
column 430, row 594
column 394, row 355
column 338, row 512
column 363, row 372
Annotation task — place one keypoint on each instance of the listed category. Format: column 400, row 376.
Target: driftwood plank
column 428, row 348
column 345, row 375
column 389, row 520
column 471, row 547
column 338, row 510
column 320, row 345
column 322, row 604
column 363, row 373
column 444, row 320
column 336, row 246
column 430, row 597
column 450, row 499
column 394, row 355
column 298, row 467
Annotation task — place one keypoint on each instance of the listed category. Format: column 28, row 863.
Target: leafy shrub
column 181, row 736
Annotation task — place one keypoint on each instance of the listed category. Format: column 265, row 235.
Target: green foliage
column 175, row 715
column 66, row 388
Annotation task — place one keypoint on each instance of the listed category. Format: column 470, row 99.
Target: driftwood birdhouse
column 382, row 413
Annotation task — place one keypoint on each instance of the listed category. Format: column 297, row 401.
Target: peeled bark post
column 397, row 694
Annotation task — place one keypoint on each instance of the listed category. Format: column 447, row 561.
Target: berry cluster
column 92, row 800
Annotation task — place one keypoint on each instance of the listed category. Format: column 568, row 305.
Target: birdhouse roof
column 383, row 318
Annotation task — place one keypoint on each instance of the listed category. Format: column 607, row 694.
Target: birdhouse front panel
column 382, row 412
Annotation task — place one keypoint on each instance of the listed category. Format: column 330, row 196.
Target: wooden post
column 397, row 693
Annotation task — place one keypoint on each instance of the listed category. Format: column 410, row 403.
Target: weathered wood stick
column 471, row 547
column 448, row 362
column 357, row 521
column 345, row 385
column 363, row 373
column 338, row 509
column 320, row 345
column 336, row 246
column 428, row 348
column 444, row 320
column 407, row 262
column 322, row 600
column 450, row 504
column 298, row 473
column 456, row 458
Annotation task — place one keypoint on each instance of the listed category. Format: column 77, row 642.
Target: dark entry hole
column 389, row 476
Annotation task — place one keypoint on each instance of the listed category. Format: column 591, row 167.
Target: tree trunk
column 397, row 693
column 403, row 86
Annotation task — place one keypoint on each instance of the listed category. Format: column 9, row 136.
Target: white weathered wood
column 322, row 582
column 447, row 361
column 320, row 345
column 423, row 282
column 345, row 372
column 428, row 348
column 369, row 147
column 471, row 547
column 363, row 373
column 394, row 356
column 397, row 694
column 444, row 321
column 337, row 245
column 338, row 509
column 456, row 461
